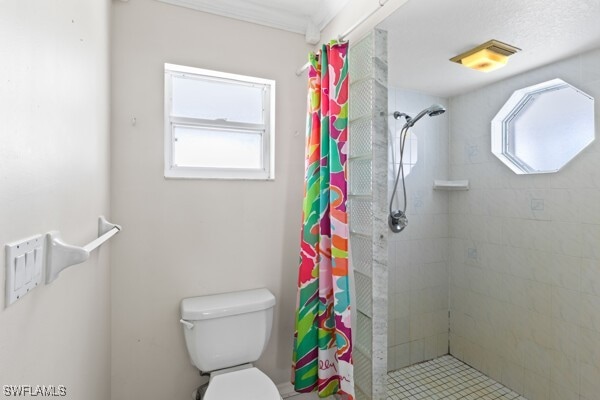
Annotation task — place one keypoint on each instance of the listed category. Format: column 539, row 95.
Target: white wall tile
column 417, row 354
column 430, row 347
column 590, row 384
column 562, row 392
column 419, row 274
column 537, row 359
column 566, row 305
column 512, row 375
column 589, row 312
column 522, row 258
column 564, row 369
column 536, row 387
column 565, row 337
column 524, row 252
column 442, row 344
column 589, row 347
column 399, row 356
column 590, row 276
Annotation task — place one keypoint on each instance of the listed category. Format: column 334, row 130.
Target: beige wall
column 54, row 176
column 187, row 238
column 524, row 281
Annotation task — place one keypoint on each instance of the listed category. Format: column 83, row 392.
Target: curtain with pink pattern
column 322, row 359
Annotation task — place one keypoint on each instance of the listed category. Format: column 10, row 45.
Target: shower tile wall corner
column 525, row 280
column 418, row 256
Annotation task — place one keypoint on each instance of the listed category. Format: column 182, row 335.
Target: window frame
column 503, row 130
column 267, row 129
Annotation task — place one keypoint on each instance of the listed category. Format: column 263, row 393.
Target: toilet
column 224, row 334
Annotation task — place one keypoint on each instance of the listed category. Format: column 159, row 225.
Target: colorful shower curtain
column 322, row 359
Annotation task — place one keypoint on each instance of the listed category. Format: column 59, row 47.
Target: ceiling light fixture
column 486, row 57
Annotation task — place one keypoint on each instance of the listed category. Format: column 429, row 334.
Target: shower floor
column 445, row 378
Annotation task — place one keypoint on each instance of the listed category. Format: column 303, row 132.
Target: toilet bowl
column 249, row 383
column 224, row 335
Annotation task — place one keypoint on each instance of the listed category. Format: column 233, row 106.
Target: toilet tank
column 228, row 329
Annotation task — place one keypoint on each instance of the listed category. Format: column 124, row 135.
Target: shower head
column 397, row 219
column 433, row 111
column 436, row 110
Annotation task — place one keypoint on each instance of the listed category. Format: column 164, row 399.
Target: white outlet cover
column 24, row 265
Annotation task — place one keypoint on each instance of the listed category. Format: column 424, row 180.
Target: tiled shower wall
column 418, row 284
column 525, row 252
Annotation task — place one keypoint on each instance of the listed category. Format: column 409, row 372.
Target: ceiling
column 424, row 34
column 307, row 17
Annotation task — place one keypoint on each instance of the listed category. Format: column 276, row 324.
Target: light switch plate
column 24, row 262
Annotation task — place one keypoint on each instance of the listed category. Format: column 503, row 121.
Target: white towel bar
column 60, row 255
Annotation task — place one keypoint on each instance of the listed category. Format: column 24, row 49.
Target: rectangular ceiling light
column 486, row 57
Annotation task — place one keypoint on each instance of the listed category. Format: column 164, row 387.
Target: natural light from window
column 218, row 125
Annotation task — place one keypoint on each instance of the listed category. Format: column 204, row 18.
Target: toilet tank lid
column 226, row 304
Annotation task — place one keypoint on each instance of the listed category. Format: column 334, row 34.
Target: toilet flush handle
column 187, row 324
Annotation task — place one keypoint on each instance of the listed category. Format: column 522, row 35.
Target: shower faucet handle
column 397, row 221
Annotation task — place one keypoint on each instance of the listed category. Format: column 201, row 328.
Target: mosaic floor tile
column 445, row 378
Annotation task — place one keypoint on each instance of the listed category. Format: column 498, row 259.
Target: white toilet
column 224, row 334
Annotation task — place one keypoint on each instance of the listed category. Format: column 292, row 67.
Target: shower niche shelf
column 451, row 185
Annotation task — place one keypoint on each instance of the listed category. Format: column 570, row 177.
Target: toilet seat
column 247, row 384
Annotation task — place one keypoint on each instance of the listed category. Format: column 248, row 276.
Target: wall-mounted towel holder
column 60, row 255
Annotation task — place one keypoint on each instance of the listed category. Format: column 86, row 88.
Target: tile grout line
column 445, row 378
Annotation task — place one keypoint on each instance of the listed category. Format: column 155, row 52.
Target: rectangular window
column 218, row 125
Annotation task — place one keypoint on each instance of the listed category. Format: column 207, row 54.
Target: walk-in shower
column 397, row 219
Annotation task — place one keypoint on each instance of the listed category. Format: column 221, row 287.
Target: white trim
column 342, row 36
column 270, row 122
column 262, row 14
column 168, row 96
column 217, row 123
column 217, row 74
column 513, row 106
column 266, row 129
column 286, row 390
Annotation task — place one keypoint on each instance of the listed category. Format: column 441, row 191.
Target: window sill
column 218, row 174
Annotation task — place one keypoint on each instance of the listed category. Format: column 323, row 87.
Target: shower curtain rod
column 343, row 36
